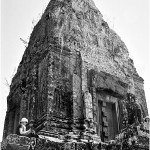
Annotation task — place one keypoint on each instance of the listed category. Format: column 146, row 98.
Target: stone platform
column 131, row 138
column 15, row 142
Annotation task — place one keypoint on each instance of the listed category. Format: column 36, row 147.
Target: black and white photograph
column 75, row 75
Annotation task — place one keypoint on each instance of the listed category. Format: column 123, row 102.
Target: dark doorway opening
column 107, row 116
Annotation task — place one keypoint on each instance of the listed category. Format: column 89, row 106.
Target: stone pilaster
column 77, row 105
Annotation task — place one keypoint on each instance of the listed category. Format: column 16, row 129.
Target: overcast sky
column 129, row 18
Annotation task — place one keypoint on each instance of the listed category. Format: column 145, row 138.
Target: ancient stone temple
column 76, row 81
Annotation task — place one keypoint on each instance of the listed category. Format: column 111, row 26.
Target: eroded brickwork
column 74, row 74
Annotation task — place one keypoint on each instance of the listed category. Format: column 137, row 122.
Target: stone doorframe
column 105, row 98
column 97, row 81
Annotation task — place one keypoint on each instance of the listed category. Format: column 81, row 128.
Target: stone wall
column 71, row 56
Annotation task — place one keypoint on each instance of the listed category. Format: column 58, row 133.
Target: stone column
column 93, row 126
column 77, row 95
column 77, row 102
column 88, row 106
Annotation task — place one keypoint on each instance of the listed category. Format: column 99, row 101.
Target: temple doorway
column 107, row 116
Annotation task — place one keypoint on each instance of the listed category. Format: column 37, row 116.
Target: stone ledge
column 15, row 142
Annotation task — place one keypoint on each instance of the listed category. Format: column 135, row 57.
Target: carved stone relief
column 88, row 105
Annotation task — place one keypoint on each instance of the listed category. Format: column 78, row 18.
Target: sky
column 129, row 18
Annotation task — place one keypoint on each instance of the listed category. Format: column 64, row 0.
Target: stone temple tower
column 76, row 79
